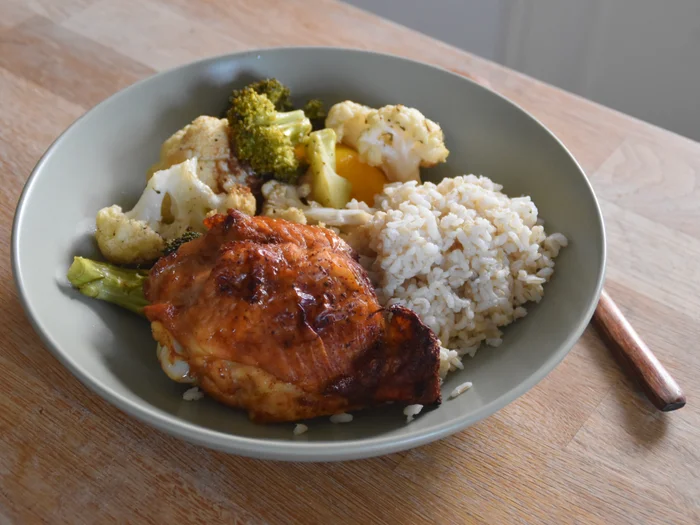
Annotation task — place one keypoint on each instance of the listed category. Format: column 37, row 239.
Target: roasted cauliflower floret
column 208, row 139
column 240, row 198
column 283, row 201
column 347, row 119
column 401, row 140
column 398, row 139
column 174, row 201
column 123, row 240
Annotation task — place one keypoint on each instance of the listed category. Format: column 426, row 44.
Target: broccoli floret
column 121, row 286
column 314, row 109
column 174, row 245
column 265, row 137
column 273, row 89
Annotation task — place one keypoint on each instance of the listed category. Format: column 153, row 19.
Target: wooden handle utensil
column 635, row 356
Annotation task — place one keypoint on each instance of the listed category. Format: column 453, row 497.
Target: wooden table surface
column 582, row 447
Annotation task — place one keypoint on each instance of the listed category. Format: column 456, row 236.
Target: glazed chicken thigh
column 281, row 320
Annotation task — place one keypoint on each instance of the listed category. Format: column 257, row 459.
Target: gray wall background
column 641, row 57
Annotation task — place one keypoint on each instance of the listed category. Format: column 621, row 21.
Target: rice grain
column 299, row 429
column 193, row 394
column 461, row 389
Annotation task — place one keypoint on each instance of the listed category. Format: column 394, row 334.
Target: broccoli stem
column 293, row 124
column 321, row 146
column 327, row 187
column 106, row 282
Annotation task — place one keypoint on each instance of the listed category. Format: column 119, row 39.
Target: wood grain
column 60, row 58
column 636, row 357
column 584, row 446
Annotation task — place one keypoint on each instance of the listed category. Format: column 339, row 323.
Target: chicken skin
column 281, row 320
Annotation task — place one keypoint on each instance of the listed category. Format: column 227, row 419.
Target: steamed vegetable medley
column 303, row 165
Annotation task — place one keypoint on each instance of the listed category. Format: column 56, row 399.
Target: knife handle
column 636, row 357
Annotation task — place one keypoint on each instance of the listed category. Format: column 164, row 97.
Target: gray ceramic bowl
column 103, row 157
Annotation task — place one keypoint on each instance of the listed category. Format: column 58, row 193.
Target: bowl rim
column 273, row 449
